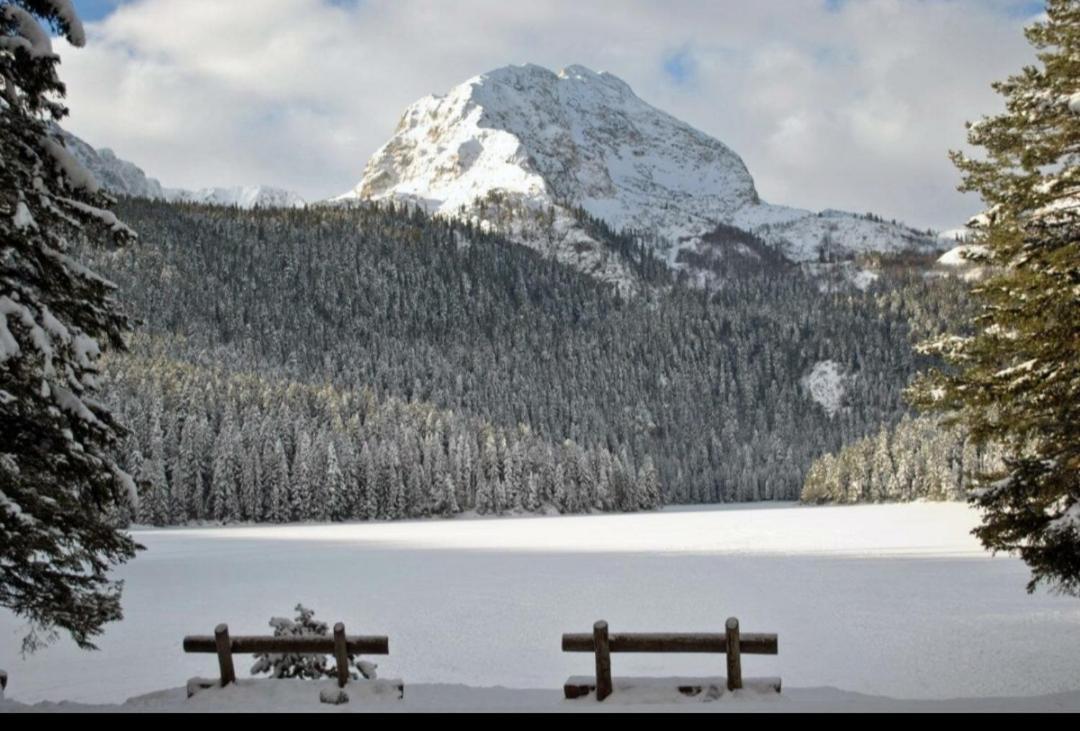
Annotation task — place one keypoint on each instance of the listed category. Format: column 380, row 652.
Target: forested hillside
column 456, row 341
column 919, row 459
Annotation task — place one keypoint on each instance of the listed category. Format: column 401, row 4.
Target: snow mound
column 955, row 262
column 827, row 385
column 958, row 257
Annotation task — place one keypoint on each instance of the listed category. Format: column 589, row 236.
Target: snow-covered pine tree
column 307, row 667
column 447, row 504
column 369, row 483
column 279, row 510
column 1017, row 378
column 301, row 488
column 60, row 479
column 251, row 503
column 225, row 480
column 187, row 481
column 649, row 480
column 156, row 501
column 531, row 501
column 335, row 487
column 560, row 490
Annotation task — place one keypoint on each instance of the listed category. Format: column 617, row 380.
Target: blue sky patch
column 681, row 66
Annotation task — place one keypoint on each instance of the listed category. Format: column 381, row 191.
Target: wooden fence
column 732, row 643
column 340, row 645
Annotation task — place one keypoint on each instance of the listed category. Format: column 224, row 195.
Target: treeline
column 391, row 302
column 209, row 445
column 637, row 249
column 919, row 459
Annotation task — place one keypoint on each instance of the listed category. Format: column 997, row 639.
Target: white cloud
column 853, row 107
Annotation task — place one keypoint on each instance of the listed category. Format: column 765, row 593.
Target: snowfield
column 827, row 386
column 892, row 602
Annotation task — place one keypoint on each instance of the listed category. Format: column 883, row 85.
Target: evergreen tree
column 335, row 486
column 1016, row 374
column 649, row 482
column 280, row 511
column 251, row 502
column 447, row 504
column 224, row 487
column 187, row 484
column 301, row 488
column 60, row 478
column 369, row 475
column 155, row 500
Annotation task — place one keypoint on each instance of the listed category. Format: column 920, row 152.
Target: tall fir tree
column 60, row 480
column 1015, row 380
column 279, row 510
column 335, row 487
column 369, row 484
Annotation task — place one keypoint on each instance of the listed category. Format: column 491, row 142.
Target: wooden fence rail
column 341, row 646
column 732, row 643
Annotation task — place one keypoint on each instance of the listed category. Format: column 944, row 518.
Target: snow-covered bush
column 307, row 667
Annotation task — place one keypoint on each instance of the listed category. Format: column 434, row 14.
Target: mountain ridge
column 540, row 143
column 121, row 177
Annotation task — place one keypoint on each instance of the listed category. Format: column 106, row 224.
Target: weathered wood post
column 224, row 653
column 602, row 647
column 734, row 655
column 341, row 654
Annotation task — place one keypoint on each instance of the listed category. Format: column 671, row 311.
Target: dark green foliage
column 1015, row 378
column 59, row 483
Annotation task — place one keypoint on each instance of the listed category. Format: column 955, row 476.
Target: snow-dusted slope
column 118, row 176
column 124, row 178
column 259, row 196
column 506, row 147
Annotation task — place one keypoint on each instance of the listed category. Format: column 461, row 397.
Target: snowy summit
column 507, row 147
column 121, row 177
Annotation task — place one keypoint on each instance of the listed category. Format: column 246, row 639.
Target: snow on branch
column 34, row 39
column 79, row 176
column 69, row 19
column 106, row 217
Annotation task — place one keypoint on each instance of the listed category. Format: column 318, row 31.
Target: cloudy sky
column 847, row 104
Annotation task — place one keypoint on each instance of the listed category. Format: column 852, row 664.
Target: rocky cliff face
column 115, row 175
column 121, row 177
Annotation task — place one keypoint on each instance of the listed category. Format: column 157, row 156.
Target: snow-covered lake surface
column 896, row 601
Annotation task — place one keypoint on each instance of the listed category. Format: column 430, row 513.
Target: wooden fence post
column 341, row 654
column 734, row 656
column 224, row 653
column 603, row 661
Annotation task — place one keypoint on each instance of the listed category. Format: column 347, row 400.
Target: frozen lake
column 895, row 601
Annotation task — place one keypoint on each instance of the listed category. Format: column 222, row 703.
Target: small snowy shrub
column 307, row 667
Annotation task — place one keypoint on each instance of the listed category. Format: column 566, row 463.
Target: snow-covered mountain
column 517, row 149
column 124, row 178
column 259, row 196
column 115, row 175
